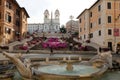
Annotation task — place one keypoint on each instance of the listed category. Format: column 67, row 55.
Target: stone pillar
column 47, row 59
column 64, row 58
column 10, row 48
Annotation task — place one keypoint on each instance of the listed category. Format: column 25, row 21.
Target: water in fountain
column 81, row 70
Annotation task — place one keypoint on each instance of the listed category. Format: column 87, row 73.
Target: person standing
column 100, row 50
column 27, row 51
column 117, row 49
column 51, row 50
column 70, row 46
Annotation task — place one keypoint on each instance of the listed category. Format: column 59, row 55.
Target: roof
column 94, row 4
column 82, row 13
column 16, row 3
column 89, row 8
column 21, row 8
column 25, row 12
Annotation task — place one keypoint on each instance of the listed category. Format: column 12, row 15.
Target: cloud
column 36, row 8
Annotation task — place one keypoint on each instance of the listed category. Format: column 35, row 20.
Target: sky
column 36, row 8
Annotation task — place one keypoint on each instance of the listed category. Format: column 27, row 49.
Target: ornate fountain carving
column 24, row 69
column 102, row 58
column 69, row 63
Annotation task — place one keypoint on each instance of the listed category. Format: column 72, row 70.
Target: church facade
column 51, row 23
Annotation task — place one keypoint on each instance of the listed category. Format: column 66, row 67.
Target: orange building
column 101, row 23
column 13, row 21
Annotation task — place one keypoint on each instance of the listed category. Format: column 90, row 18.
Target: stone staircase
column 11, row 45
column 53, row 35
column 92, row 44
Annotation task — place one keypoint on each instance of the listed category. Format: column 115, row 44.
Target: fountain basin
column 59, row 72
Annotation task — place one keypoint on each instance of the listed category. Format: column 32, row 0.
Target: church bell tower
column 57, row 15
column 46, row 16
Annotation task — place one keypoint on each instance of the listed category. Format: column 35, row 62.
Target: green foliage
column 63, row 29
column 76, row 33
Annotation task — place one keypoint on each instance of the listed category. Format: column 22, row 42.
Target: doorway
column 110, row 45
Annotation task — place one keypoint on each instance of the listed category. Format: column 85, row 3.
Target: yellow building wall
column 114, row 12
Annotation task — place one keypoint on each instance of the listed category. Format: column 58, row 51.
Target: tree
column 76, row 33
column 63, row 29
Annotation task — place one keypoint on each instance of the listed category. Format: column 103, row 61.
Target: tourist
column 51, row 50
column 70, row 46
column 100, row 49
column 76, row 47
column 117, row 49
column 27, row 51
column 25, row 44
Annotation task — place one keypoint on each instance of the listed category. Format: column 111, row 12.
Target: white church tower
column 57, row 15
column 46, row 16
column 51, row 24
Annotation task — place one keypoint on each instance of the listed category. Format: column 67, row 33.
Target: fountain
column 81, row 71
column 69, row 63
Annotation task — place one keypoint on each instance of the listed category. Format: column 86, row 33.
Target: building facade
column 51, row 24
column 72, row 26
column 35, row 27
column 13, row 21
column 101, row 23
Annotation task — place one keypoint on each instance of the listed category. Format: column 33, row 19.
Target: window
column 17, row 23
column 18, row 12
column 0, row 2
column 0, row 30
column 108, row 5
column 80, row 20
column 81, row 37
column 8, row 5
column 91, row 35
column 57, row 27
column 109, row 19
column 7, row 30
column 99, row 8
column 84, row 36
column 90, row 14
column 45, row 16
column 80, row 29
column 84, row 28
column 99, row 21
column 99, row 33
column 0, row 15
column 8, row 17
column 109, row 32
column 90, row 25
